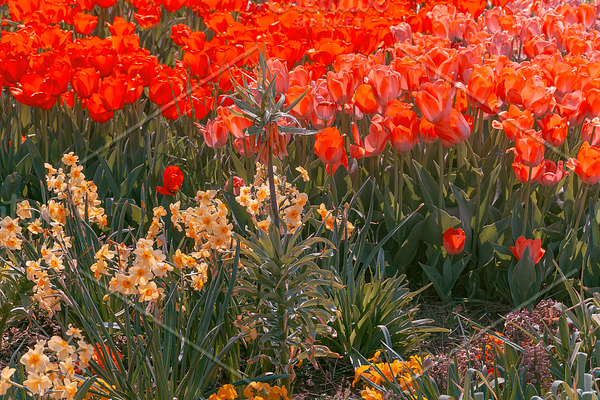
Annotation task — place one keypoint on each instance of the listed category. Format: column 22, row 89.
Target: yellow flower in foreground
column 5, row 376
column 35, row 360
column 371, row 394
column 303, row 174
column 226, row 392
column 38, row 383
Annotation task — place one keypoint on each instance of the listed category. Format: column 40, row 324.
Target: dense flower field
column 207, row 199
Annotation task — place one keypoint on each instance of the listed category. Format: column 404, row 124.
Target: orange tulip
column 84, row 23
column 97, row 109
column 435, row 100
column 104, row 61
column 164, row 88
column 514, row 121
column 523, row 172
column 554, row 129
column 402, row 124
column 341, row 86
column 236, row 125
column 537, row 97
column 386, row 84
column 180, row 33
column 454, row 241
column 279, row 71
column 364, row 98
column 113, row 92
column 197, row 62
column 592, row 102
column 533, row 246
column 172, row 180
column 85, row 82
column 304, row 109
column 374, row 143
column 529, row 147
column 329, row 145
column 454, row 129
column 572, row 107
column 587, row 164
column 427, row 132
column 481, row 90
column 120, row 27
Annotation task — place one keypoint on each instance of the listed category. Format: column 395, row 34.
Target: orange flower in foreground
column 84, row 23
column 364, row 98
column 374, row 143
column 100, row 359
column 454, row 240
column 529, row 147
column 587, row 164
column 172, row 180
column 329, row 145
column 534, row 246
column 403, row 125
column 522, row 171
column 513, row 121
column 554, row 129
column 435, row 100
column 455, row 128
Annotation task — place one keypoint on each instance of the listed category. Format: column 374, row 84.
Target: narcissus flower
column 172, row 180
column 534, row 246
column 454, row 240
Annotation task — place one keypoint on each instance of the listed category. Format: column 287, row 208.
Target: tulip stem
column 527, row 195
column 581, row 205
column 441, row 168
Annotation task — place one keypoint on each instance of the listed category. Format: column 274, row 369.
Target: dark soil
column 27, row 334
column 331, row 381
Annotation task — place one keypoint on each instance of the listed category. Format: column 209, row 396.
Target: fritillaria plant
column 261, row 100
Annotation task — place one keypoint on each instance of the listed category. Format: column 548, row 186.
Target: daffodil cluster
column 206, row 223
column 290, row 202
column 254, row 391
column 73, row 186
column 51, row 367
column 379, row 373
column 332, row 219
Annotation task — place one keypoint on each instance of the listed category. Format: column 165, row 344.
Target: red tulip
column 454, row 240
column 534, row 246
column 551, row 173
column 590, row 132
column 172, row 180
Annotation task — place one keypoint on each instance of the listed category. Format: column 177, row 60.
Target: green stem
column 273, row 194
column 527, row 196
column 581, row 206
column 441, row 174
